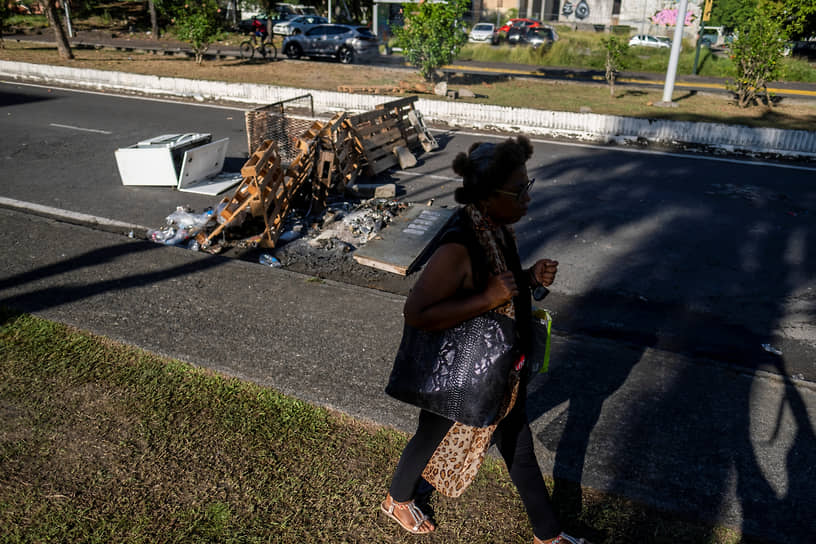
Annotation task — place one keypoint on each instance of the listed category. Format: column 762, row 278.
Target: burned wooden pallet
column 262, row 173
column 378, row 133
column 368, row 89
column 348, row 155
column 401, row 109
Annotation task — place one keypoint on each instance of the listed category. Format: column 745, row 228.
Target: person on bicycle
column 258, row 31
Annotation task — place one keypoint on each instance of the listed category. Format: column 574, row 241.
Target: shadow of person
column 659, row 402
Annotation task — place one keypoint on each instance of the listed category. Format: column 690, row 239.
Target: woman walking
column 476, row 269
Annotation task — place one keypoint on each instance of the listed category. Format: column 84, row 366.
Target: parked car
column 645, row 40
column 521, row 22
column 533, row 36
column 482, row 33
column 290, row 11
column 542, row 36
column 345, row 43
column 299, row 24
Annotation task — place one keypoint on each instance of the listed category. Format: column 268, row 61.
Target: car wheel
column 346, row 55
column 293, row 51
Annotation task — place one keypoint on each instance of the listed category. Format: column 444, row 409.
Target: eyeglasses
column 517, row 194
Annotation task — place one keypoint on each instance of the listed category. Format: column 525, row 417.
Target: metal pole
column 330, row 11
column 677, row 44
column 68, row 19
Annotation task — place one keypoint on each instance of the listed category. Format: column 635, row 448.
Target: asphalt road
column 698, row 255
column 670, row 281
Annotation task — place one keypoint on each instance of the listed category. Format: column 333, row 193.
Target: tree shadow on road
column 39, row 297
column 707, row 277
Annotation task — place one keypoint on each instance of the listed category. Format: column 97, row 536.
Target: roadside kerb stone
column 793, row 144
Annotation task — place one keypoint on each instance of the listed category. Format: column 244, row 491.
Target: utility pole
column 677, row 44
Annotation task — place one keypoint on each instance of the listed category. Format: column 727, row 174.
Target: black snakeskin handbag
column 459, row 373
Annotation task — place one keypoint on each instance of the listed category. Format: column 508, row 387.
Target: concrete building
column 599, row 14
column 632, row 13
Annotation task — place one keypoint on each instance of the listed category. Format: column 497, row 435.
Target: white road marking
column 98, row 131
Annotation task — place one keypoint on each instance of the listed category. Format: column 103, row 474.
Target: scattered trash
column 356, row 226
column 770, row 349
column 798, row 376
column 268, row 260
column 130, row 234
column 182, row 224
column 289, row 236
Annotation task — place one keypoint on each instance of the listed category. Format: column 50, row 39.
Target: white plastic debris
column 770, row 349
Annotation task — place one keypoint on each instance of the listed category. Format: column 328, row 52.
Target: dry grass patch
column 516, row 92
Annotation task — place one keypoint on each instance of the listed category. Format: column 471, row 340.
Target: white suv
column 299, row 24
column 650, row 41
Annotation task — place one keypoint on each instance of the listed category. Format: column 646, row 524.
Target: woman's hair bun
column 462, row 165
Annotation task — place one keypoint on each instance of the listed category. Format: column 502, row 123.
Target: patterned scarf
column 492, row 238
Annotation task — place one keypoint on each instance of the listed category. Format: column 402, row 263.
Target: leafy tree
column 732, row 13
column 797, row 17
column 198, row 24
column 431, row 36
column 615, row 51
column 757, row 51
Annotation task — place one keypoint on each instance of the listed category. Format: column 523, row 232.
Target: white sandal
column 417, row 515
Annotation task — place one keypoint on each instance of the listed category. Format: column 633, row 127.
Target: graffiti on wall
column 581, row 10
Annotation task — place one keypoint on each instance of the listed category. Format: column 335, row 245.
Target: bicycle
column 266, row 49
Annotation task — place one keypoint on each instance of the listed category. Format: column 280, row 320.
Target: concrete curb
column 792, row 144
column 75, row 218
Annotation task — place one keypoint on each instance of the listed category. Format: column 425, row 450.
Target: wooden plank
column 258, row 159
column 385, row 119
column 383, row 138
column 399, row 103
column 383, row 164
column 405, row 240
column 369, row 116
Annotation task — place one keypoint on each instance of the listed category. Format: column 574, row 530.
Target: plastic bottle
column 268, row 260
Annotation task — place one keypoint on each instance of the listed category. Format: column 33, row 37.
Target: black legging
column 514, row 441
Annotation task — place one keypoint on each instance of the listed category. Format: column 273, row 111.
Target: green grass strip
column 104, row 442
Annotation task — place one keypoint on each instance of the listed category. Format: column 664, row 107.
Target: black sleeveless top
column 460, row 231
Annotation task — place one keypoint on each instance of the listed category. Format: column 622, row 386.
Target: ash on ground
column 323, row 245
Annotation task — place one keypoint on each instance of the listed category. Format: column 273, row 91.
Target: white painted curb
column 584, row 126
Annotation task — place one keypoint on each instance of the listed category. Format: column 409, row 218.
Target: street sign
column 707, row 9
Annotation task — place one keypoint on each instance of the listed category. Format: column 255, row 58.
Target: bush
column 757, row 52
column 198, row 24
column 431, row 36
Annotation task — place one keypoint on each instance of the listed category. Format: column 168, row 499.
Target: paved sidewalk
column 703, row 440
